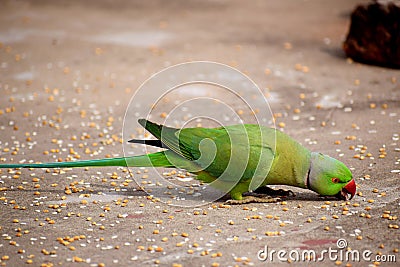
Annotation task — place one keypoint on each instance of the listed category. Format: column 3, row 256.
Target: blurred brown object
column 374, row 35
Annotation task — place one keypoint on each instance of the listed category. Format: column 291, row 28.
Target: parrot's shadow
column 294, row 196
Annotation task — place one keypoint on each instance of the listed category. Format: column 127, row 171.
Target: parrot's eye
column 335, row 180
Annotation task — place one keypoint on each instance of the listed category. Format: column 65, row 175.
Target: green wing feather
column 253, row 144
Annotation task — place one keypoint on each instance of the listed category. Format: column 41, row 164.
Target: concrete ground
column 68, row 70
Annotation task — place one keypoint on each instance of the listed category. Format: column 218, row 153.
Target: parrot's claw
column 253, row 199
column 274, row 192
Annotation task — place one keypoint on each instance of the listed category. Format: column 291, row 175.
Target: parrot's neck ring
column 307, row 182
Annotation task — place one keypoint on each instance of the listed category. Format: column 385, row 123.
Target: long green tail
column 158, row 159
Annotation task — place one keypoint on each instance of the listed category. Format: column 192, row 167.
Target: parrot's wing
column 235, row 154
column 238, row 151
column 231, row 153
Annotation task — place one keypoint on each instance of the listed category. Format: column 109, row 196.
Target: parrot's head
column 330, row 177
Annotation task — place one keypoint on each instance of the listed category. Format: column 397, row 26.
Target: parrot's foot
column 253, row 199
column 274, row 192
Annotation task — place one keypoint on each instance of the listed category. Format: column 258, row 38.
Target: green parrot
column 235, row 159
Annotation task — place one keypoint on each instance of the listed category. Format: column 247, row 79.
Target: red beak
column 349, row 189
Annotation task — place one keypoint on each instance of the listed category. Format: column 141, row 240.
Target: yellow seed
column 77, row 259
column 359, row 237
